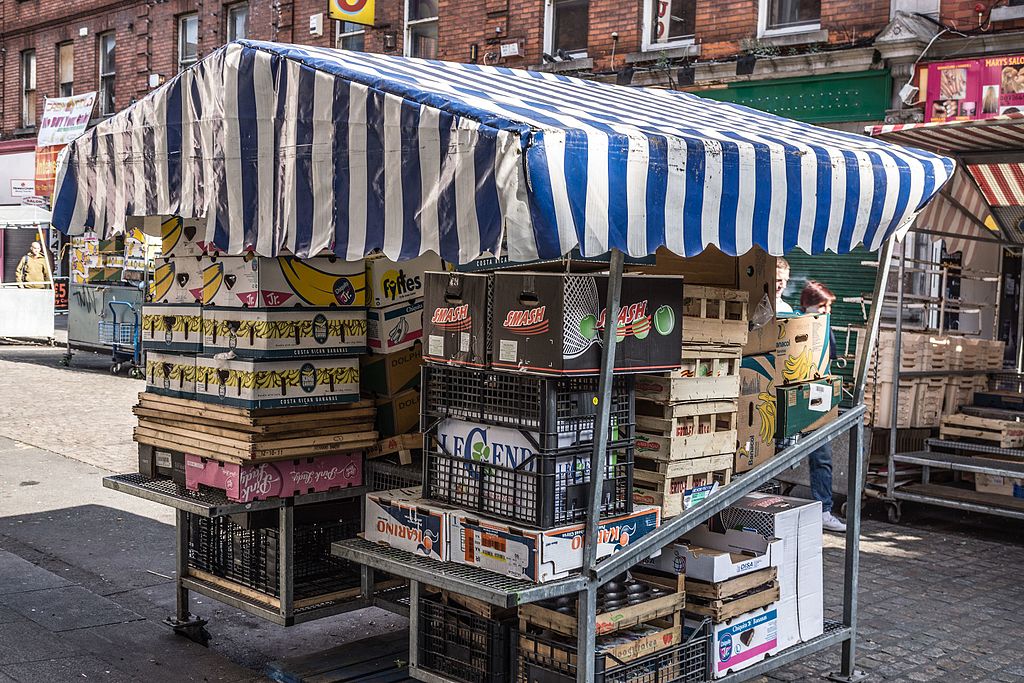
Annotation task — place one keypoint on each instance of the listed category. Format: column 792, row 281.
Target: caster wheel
column 842, row 510
column 65, row 361
column 136, row 373
column 115, row 368
column 894, row 513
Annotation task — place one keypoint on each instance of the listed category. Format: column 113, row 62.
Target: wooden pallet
column 670, row 493
column 713, row 315
column 656, row 471
column 685, row 430
column 708, row 373
column 723, row 590
column 1001, row 433
column 378, row 659
column 723, row 609
column 405, row 445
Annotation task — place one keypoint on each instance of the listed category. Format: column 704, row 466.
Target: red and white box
column 284, row 478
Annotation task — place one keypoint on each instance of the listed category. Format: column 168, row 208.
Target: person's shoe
column 830, row 522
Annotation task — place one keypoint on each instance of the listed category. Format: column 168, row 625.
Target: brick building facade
column 694, row 44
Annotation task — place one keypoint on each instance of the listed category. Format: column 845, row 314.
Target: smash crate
column 457, row 318
column 549, row 323
column 517, row 447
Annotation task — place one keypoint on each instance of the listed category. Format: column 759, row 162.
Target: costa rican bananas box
column 284, row 332
column 177, row 280
column 282, row 281
column 171, row 374
column 172, row 327
column 277, row 384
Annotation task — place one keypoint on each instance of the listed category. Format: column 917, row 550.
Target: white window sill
column 674, row 50
column 804, row 36
column 574, row 64
column 1007, row 13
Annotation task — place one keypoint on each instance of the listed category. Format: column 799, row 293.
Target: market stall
column 313, row 151
column 27, row 311
column 977, row 461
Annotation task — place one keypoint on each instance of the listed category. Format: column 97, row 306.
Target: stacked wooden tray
column 986, row 430
column 724, row 600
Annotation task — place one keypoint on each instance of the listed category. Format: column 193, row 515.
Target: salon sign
column 973, row 89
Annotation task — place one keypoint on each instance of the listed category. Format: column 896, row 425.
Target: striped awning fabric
column 960, row 209
column 1001, row 132
column 283, row 147
column 1002, row 183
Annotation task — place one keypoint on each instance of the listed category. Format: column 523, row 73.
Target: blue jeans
column 820, row 462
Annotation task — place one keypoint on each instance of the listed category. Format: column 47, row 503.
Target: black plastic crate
column 544, row 490
column 542, row 660
column 558, row 409
column 250, row 556
column 460, row 645
column 387, row 476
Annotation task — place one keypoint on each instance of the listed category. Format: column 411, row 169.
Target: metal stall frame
column 502, row 591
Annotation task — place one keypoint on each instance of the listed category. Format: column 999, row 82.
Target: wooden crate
column 713, row 315
column 685, row 430
column 1001, row 433
column 724, row 600
column 670, row 493
column 708, row 373
column 535, row 614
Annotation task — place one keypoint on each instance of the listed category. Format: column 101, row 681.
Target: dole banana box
column 398, row 414
column 403, row 520
column 457, row 318
column 808, row 406
column 181, row 236
column 395, row 328
column 538, row 555
column 171, row 374
column 277, row 384
column 177, row 280
column 389, row 283
column 802, row 349
column 388, row 374
column 756, row 417
column 172, row 327
column 282, row 281
column 548, row 323
column 262, row 333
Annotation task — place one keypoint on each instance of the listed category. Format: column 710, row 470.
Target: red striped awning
column 1003, row 184
column 1001, row 133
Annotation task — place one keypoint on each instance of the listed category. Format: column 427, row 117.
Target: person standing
column 781, row 280
column 33, row 271
column 817, row 298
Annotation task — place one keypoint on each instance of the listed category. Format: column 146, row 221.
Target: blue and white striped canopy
column 284, row 147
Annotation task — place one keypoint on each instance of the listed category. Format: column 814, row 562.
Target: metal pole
column 586, row 633
column 1020, row 315
column 890, row 474
column 414, row 623
column 999, row 296
column 871, row 336
column 182, row 613
column 286, row 549
column 852, row 569
column 943, row 283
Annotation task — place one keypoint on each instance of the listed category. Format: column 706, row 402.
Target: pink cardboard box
column 245, row 483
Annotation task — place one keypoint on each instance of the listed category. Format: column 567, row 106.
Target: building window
column 566, row 25
column 238, row 22
column 66, row 69
column 107, row 73
column 351, row 36
column 669, row 22
column 421, row 28
column 789, row 16
column 28, row 89
column 188, row 40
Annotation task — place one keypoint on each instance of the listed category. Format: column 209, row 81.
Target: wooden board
column 721, row 590
column 1003, row 433
column 269, row 600
column 226, row 454
column 655, row 471
column 687, row 409
column 693, row 446
column 184, row 406
column 670, row 494
column 723, row 610
column 378, row 659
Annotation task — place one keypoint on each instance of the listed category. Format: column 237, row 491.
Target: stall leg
column 183, row 622
column 286, row 575
column 414, row 623
column 586, row 614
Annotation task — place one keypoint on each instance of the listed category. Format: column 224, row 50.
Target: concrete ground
column 86, row 574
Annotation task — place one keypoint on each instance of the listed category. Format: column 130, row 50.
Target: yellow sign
column 352, row 11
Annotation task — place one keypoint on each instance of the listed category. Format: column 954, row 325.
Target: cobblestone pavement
column 940, row 594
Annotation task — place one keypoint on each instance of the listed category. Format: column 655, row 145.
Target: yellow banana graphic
column 213, row 278
column 170, row 233
column 163, row 279
column 798, row 367
column 317, row 288
column 766, row 409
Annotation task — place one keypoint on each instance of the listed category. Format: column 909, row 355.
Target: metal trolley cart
column 122, row 333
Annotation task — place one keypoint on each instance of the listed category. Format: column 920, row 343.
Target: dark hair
column 815, row 294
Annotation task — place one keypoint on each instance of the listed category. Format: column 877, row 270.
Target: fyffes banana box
column 282, row 281
column 172, row 327
column 395, row 328
column 756, row 417
column 177, row 280
column 803, row 348
column 171, row 374
column 277, row 384
column 261, row 333
column 389, row 282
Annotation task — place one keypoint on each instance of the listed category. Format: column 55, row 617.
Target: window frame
column 111, row 75
column 60, row 83
column 647, row 38
column 340, row 35
column 184, row 62
column 28, row 92
column 549, row 31
column 229, row 11
column 763, row 31
column 410, row 24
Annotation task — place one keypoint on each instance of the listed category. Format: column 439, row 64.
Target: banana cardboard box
column 257, row 385
column 755, row 420
column 395, row 328
column 398, row 414
column 177, row 280
column 389, row 283
column 171, row 374
column 283, row 281
column 172, row 327
column 802, row 349
column 261, row 333
column 182, row 236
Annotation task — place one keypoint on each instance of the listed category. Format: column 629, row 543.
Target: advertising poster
column 352, row 11
column 973, row 89
column 64, row 119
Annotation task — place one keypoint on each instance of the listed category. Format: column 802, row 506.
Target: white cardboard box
column 171, row 374
column 797, row 523
column 705, row 555
column 402, row 520
column 257, row 281
column 394, row 328
column 389, row 283
column 177, row 280
column 271, row 333
column 745, row 640
column 537, row 555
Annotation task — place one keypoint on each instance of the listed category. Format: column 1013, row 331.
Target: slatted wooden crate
column 708, row 373
column 723, row 600
column 993, row 432
column 713, row 315
column 676, row 493
column 685, row 430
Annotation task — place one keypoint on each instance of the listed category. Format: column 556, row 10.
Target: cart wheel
column 842, row 510
column 65, row 360
column 136, row 373
column 894, row 512
column 115, row 368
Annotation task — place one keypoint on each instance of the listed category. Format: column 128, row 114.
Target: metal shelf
column 210, row 503
column 942, row 373
column 962, row 463
column 960, row 499
column 834, row 634
column 490, row 587
column 976, row 447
